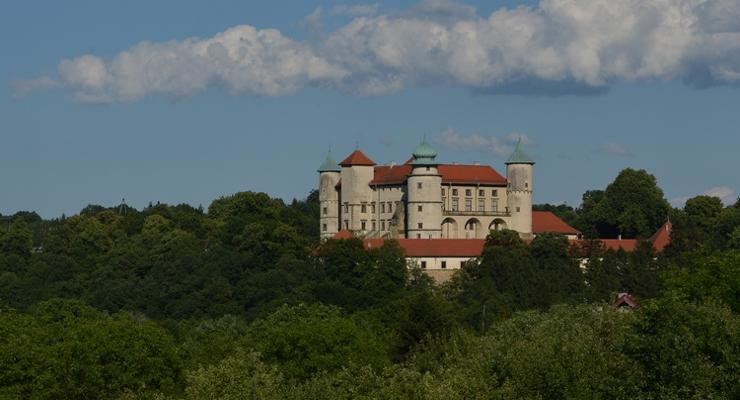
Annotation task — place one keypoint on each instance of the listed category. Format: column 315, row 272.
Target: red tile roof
column 484, row 174
column 662, row 237
column 625, row 299
column 451, row 173
column 435, row 247
column 357, row 158
column 546, row 221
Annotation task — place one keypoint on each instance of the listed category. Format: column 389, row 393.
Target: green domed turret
column 329, row 164
column 424, row 154
column 519, row 156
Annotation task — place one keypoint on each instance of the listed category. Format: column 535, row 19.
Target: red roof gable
column 451, row 173
column 357, row 158
column 546, row 221
column 662, row 237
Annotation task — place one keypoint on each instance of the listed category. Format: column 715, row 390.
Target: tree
column 633, row 206
column 306, row 339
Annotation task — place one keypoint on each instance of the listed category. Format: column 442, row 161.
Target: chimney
column 619, row 238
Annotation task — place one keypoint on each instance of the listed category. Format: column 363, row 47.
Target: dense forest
column 242, row 301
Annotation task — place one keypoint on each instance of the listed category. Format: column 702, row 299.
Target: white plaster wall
column 356, row 191
column 329, row 200
column 429, row 197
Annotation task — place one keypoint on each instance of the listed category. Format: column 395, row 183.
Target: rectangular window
column 526, row 184
column 419, row 208
column 468, row 204
column 382, row 207
column 494, row 205
column 481, row 205
column 481, row 193
column 444, row 203
column 518, row 209
column 418, row 236
column 373, row 225
column 468, row 192
column 418, row 185
column 325, row 211
column 444, row 264
column 382, row 225
column 495, row 193
column 372, row 208
column 346, row 225
column 390, row 207
column 455, row 204
column 423, row 265
column 323, row 227
column 454, row 192
column 363, row 224
column 420, row 225
column 363, row 208
column 443, row 191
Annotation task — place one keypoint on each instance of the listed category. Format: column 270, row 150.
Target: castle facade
column 424, row 199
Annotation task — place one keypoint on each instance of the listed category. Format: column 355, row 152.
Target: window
column 346, row 208
column 526, row 184
column 444, row 264
column 481, row 193
column 363, row 208
column 494, row 205
column 418, row 236
column 372, row 208
column 418, row 185
column 419, row 208
column 382, row 225
column 468, row 204
column 427, row 169
column 373, row 225
column 518, row 209
column 444, row 203
column 390, row 207
column 323, row 227
column 495, row 193
column 455, row 204
column 454, row 192
column 325, row 211
column 468, row 192
column 420, row 225
column 346, row 225
column 481, row 205
column 423, row 265
column 443, row 191
column 382, row 207
column 363, row 224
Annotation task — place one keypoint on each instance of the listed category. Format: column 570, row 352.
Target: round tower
column 329, row 200
column 424, row 195
column 520, row 174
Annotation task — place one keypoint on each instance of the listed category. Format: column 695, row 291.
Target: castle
column 424, row 199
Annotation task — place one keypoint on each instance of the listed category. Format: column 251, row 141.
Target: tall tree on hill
column 632, row 206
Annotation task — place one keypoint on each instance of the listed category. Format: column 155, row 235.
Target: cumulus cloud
column 501, row 147
column 615, row 149
column 724, row 193
column 556, row 47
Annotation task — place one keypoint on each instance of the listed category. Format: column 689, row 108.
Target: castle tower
column 520, row 174
column 424, row 195
column 355, row 212
column 329, row 199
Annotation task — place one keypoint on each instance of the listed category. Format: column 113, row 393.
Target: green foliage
column 66, row 350
column 306, row 339
column 713, row 277
column 633, row 206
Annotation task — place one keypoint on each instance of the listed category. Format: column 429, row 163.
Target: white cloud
column 24, row 87
column 615, row 149
column 556, row 47
column 354, row 10
column 724, row 193
column 487, row 144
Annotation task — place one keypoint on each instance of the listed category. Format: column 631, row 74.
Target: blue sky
column 75, row 130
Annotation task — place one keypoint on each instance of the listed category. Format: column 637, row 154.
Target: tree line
column 242, row 301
